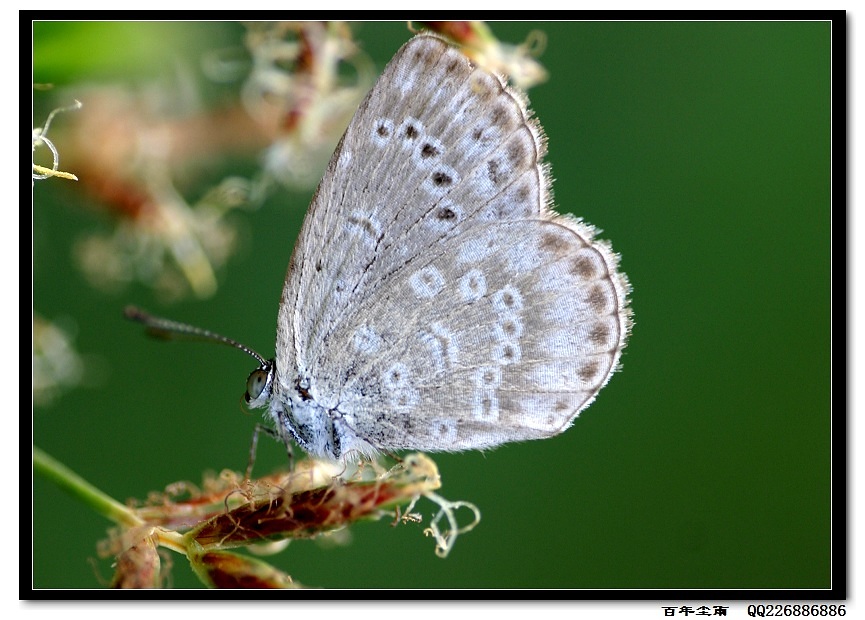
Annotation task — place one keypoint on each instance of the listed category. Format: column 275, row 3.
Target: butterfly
column 434, row 301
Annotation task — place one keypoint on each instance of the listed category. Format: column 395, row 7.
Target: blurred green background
column 701, row 150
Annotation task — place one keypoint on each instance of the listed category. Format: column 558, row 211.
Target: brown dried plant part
column 227, row 512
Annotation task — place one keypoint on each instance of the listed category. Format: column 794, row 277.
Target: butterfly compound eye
column 257, row 386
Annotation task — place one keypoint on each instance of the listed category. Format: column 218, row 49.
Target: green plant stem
column 79, row 488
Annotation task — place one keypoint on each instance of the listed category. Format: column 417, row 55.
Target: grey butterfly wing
column 430, row 220
column 505, row 334
column 392, row 168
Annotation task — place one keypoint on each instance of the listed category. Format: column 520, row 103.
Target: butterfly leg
column 261, row 428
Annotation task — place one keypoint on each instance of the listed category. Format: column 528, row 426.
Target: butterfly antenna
column 166, row 328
